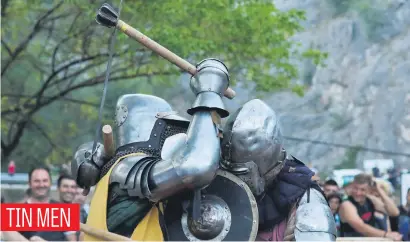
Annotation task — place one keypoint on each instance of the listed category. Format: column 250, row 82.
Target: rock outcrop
column 361, row 97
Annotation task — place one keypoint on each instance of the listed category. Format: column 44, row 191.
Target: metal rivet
column 149, row 146
column 160, row 123
column 155, row 135
column 87, row 154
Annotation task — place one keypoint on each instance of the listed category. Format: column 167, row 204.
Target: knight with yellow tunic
column 148, row 191
column 159, row 154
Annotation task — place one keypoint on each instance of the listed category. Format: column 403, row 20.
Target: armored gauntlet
column 86, row 166
column 209, row 84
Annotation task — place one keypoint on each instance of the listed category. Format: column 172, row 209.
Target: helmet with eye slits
column 252, row 138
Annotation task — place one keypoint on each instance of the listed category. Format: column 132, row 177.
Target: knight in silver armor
column 159, row 153
column 252, row 149
column 144, row 123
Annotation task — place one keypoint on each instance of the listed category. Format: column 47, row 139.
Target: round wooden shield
column 229, row 212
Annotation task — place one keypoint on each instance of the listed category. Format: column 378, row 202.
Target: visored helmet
column 252, row 140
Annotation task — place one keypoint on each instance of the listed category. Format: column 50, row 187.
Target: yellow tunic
column 148, row 229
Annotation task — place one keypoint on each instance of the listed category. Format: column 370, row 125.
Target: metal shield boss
column 229, row 212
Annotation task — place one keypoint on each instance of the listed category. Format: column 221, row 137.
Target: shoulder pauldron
column 131, row 173
column 314, row 219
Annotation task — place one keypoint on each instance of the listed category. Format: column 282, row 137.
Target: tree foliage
column 54, row 57
column 349, row 161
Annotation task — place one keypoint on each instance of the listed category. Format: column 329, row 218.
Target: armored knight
column 159, row 154
column 291, row 205
column 148, row 190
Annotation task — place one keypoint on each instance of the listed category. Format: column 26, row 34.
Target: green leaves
column 298, row 89
column 251, row 36
column 316, row 56
column 242, row 34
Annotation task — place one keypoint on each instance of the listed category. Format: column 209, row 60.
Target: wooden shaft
column 108, row 139
column 101, row 234
column 157, row 48
column 164, row 52
column 229, row 93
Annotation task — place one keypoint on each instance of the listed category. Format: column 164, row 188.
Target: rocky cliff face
column 362, row 96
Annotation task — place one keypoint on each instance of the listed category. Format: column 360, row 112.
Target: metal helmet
column 252, row 145
column 136, row 115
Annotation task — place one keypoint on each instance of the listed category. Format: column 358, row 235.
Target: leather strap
column 107, row 76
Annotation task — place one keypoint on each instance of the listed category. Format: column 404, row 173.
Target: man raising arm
column 357, row 212
column 391, row 208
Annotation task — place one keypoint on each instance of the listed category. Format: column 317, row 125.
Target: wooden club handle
column 108, row 139
column 164, row 52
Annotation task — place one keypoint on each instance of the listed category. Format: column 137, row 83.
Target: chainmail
column 155, row 152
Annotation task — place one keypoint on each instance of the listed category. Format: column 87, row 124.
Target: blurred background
column 336, row 71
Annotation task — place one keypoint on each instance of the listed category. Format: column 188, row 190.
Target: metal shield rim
column 254, row 205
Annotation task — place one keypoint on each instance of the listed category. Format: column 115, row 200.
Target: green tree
column 349, row 161
column 54, row 56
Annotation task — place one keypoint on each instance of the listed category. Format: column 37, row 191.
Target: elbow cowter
column 198, row 169
column 199, row 162
column 193, row 166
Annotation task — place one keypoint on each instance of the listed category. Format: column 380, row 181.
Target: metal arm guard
column 314, row 219
column 187, row 161
column 194, row 166
column 209, row 84
column 192, row 163
column 86, row 171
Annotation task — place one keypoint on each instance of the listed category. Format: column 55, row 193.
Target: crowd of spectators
column 39, row 188
column 362, row 208
column 366, row 208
